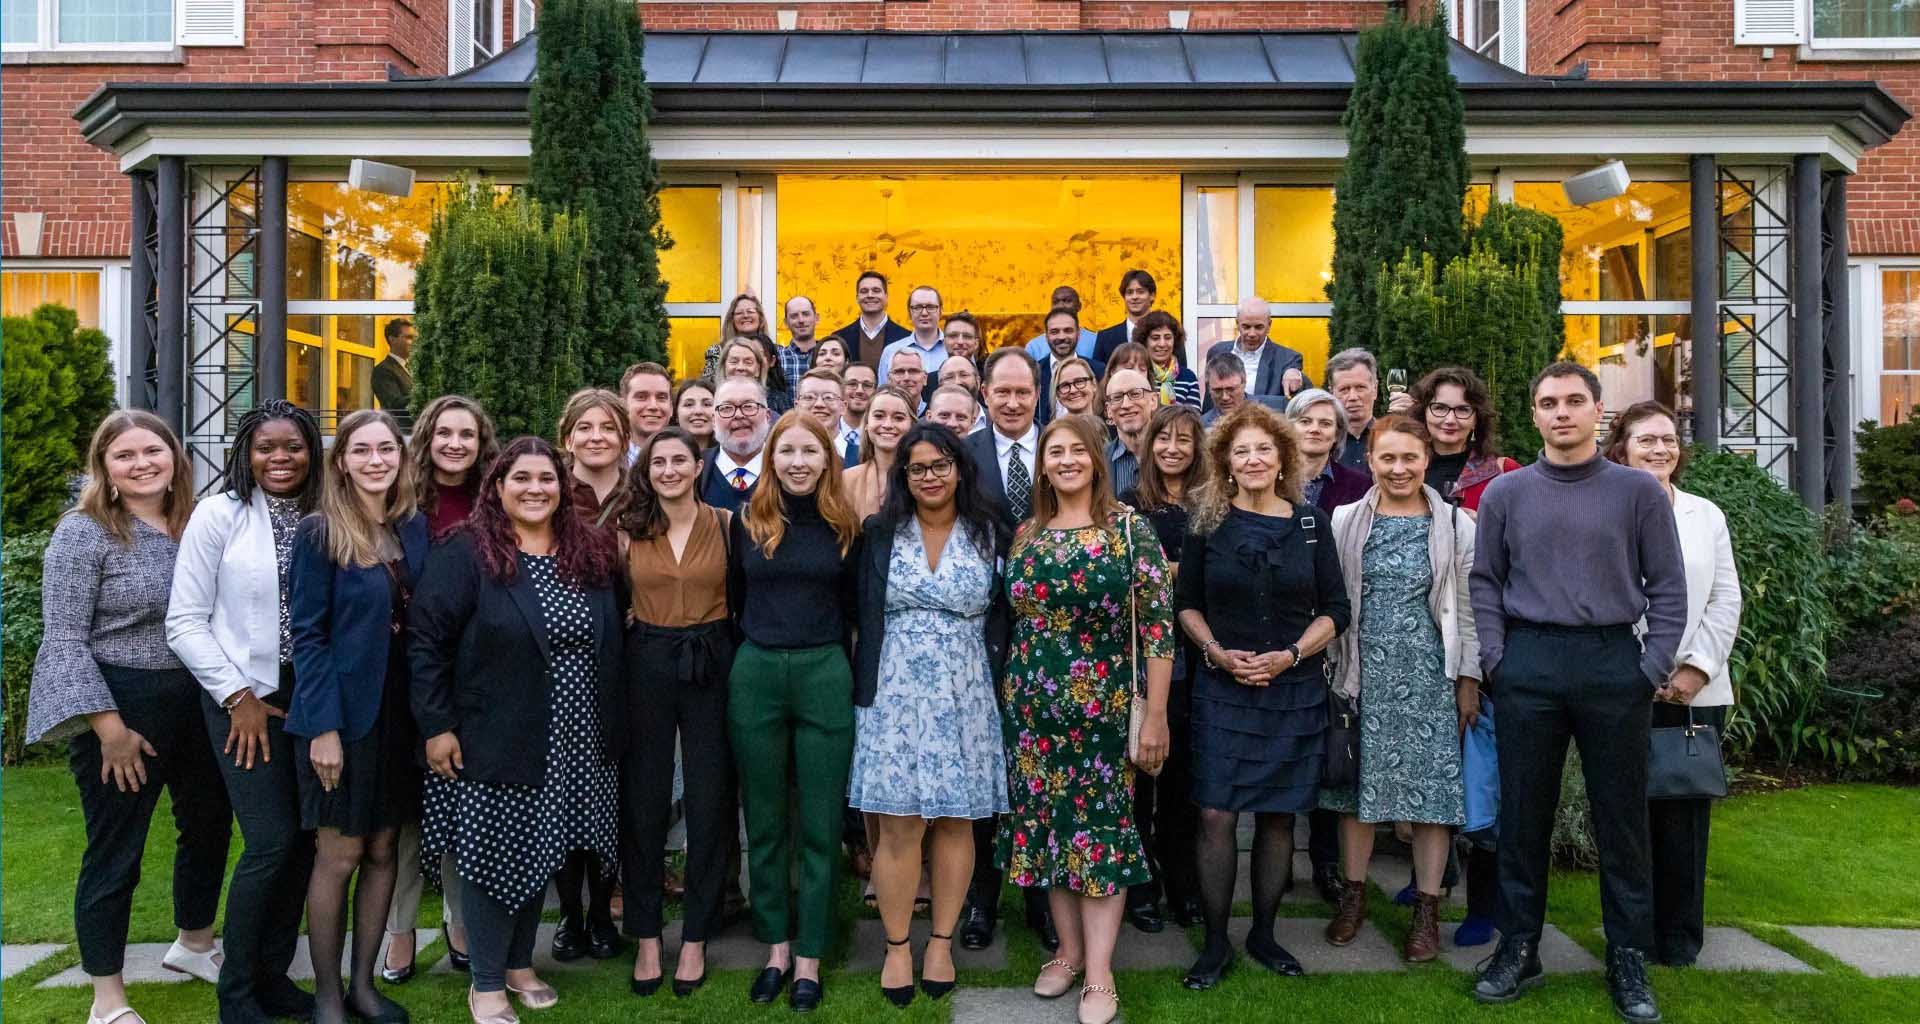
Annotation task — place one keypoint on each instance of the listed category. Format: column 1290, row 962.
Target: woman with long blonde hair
column 790, row 587
column 592, row 436
column 355, row 561
column 105, row 679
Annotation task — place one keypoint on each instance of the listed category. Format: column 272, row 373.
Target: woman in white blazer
column 1412, row 658
column 1647, row 437
column 227, row 620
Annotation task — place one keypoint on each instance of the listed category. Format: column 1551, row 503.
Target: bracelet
column 233, row 700
column 1294, row 649
column 1206, row 652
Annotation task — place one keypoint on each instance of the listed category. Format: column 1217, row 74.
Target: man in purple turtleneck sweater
column 1571, row 553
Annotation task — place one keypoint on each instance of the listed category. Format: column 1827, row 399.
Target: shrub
column 1876, row 739
column 1405, row 177
column 1779, row 660
column 589, row 110
column 1874, row 576
column 1889, row 462
column 19, row 633
column 499, row 304
column 57, row 387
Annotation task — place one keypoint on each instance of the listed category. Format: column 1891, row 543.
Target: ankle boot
column 1350, row 915
column 1423, row 939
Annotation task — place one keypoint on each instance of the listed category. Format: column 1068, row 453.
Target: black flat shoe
column 898, row 995
column 282, row 998
column 1146, row 917
column 644, row 987
column 603, row 942
column 683, row 989
column 1326, row 881
column 1274, row 957
column 766, row 987
column 806, row 995
column 1187, row 912
column 570, row 941
column 1207, row 971
column 1041, row 924
column 976, row 927
column 389, row 1012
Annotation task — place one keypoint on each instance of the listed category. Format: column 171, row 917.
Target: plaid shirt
column 795, row 364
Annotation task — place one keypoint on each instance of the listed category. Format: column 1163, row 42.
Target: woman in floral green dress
column 1067, row 698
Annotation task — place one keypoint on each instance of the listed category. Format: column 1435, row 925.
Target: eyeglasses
column 860, row 385
column 823, row 398
column 936, row 468
column 1442, row 411
column 1129, row 395
column 732, row 409
column 1065, row 386
column 1648, row 442
column 924, row 307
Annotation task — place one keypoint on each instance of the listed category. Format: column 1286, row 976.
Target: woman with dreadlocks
column 228, row 621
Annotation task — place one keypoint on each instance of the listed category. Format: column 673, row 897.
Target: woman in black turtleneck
column 790, row 584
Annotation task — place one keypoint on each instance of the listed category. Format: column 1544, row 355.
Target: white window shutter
column 1513, row 34
column 210, row 22
column 1769, row 22
column 459, row 36
column 523, row 18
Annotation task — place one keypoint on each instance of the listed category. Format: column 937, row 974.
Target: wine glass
column 1396, row 381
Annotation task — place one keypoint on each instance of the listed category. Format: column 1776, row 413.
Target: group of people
column 1053, row 615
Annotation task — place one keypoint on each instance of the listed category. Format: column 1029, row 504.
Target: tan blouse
column 692, row 590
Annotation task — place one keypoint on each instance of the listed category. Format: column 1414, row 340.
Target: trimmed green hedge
column 20, row 557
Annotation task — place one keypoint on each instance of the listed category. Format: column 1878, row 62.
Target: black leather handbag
column 1341, row 766
column 1683, row 762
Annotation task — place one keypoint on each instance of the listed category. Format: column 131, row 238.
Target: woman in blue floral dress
column 927, row 758
column 1066, row 699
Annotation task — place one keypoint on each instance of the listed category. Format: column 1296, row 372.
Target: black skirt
column 1259, row 748
column 380, row 777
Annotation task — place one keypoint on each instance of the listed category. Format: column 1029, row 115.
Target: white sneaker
column 121, row 1015
column 205, row 966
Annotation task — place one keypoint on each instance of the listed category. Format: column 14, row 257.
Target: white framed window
column 1494, row 29
column 473, row 33
column 1886, row 355
column 1865, row 24
column 120, row 25
column 95, row 291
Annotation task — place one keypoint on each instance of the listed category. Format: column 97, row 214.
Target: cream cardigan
column 1450, row 546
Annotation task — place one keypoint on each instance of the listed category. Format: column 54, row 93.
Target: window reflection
column 1899, row 344
column 691, row 267
column 351, row 244
column 1216, row 248
column 330, row 362
column 1293, row 242
column 1637, row 357
column 1605, row 250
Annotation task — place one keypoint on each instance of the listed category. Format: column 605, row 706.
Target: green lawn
column 1823, row 855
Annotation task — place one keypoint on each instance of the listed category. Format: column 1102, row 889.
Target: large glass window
column 1899, row 343
column 994, row 245
column 115, row 21
column 1869, row 21
column 1293, row 242
column 1608, row 253
column 23, row 291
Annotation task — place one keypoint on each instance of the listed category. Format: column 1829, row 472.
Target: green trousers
column 790, row 714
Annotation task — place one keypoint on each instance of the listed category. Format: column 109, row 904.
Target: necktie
column 852, row 455
column 740, row 479
column 1019, row 485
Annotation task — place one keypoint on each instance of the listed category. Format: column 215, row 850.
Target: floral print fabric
column 1067, row 697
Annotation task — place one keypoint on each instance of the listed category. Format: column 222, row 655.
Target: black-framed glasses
column 1075, row 386
column 1129, row 395
column 938, row 468
column 1441, row 411
column 732, row 409
column 923, row 307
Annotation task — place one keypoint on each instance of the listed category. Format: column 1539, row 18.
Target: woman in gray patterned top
column 227, row 619
column 106, row 680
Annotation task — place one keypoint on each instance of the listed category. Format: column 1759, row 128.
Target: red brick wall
column 1693, row 40
column 947, row 15
column 49, row 168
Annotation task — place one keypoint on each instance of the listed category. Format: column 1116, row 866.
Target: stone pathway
column 1874, row 952
column 143, row 963
column 19, row 958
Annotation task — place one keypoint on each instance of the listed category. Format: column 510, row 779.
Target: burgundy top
column 451, row 507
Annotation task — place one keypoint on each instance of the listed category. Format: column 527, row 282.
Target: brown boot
column 1350, row 915
column 1423, row 939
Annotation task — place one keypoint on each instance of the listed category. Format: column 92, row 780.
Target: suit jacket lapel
column 521, row 590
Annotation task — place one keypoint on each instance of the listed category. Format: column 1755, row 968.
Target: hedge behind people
column 58, row 387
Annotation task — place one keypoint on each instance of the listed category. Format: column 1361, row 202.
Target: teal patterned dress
column 1067, row 698
column 1409, row 722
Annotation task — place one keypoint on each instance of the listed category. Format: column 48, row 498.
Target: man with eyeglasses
column 821, row 395
column 740, row 424
column 923, row 308
column 1130, row 402
column 1003, row 456
column 905, row 372
column 859, row 383
column 1353, row 375
column 1227, row 388
column 872, row 331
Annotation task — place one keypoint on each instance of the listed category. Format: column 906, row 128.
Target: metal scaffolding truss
column 1756, row 316
column 222, row 312
column 1836, row 342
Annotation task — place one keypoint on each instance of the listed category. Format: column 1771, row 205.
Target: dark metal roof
column 924, row 59
column 1161, row 78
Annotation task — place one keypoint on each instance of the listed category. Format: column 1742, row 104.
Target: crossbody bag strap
column 1133, row 614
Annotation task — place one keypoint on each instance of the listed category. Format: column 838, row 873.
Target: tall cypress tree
column 589, row 108
column 1406, row 172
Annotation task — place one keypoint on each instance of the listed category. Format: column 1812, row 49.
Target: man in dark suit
column 872, row 331
column 392, row 381
column 733, row 466
column 1137, row 291
column 1005, row 463
column 1271, row 368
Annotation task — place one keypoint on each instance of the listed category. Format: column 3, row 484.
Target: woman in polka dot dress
column 516, row 636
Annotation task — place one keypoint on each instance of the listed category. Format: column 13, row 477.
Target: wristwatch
column 1294, row 649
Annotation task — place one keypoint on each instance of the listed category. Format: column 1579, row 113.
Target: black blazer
column 1275, row 361
column 479, row 656
column 876, row 556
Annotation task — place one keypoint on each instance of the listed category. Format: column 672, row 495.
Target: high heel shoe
column 900, row 995
column 682, row 988
column 938, row 989
column 644, row 987
column 492, row 1018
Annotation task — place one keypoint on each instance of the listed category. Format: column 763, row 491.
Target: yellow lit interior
column 22, row 291
column 994, row 245
column 691, row 266
column 1293, row 242
column 687, row 340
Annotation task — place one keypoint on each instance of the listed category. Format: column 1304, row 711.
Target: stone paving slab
column 542, row 955
column 143, row 963
column 1306, row 939
column 1730, row 949
column 15, row 959
column 1558, row 953
column 1138, row 951
column 1012, row 1006
column 868, row 947
column 1874, row 952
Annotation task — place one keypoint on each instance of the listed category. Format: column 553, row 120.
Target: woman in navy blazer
column 354, row 563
